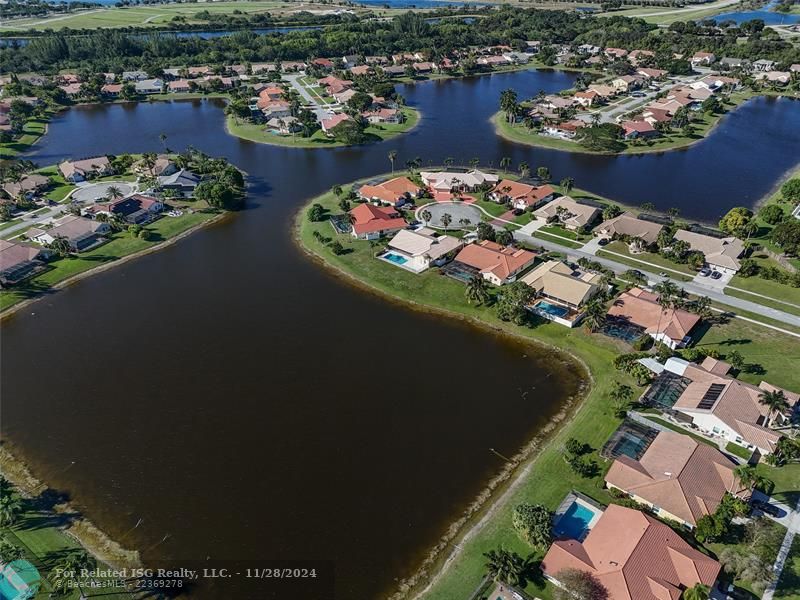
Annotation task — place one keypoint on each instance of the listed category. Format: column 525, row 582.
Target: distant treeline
column 114, row 50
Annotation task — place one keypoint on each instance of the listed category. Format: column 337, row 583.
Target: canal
column 245, row 404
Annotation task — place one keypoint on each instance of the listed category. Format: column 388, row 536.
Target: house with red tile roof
column 325, row 63
column 638, row 129
column 372, row 222
column 495, row 263
column 703, row 58
column 522, row 195
column 724, row 407
column 616, row 52
column 634, row 557
column 331, row 122
column 394, row 191
column 677, row 477
column 670, row 326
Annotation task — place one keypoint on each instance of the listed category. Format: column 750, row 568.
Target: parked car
column 518, row 212
column 767, row 508
column 716, row 275
column 663, row 274
column 638, row 94
column 603, row 242
column 704, row 272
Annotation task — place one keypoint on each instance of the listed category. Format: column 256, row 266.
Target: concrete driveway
column 711, row 283
column 92, row 192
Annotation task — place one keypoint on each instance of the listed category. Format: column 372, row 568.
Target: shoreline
column 14, row 308
column 498, row 491
column 81, row 529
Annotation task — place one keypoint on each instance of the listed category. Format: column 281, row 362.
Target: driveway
column 456, row 210
column 713, row 284
column 91, row 192
column 592, row 246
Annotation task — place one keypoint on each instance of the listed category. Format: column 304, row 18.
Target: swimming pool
column 576, row 521
column 395, row 258
column 552, row 309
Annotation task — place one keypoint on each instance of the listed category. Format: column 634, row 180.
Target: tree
column 392, row 157
column 771, row 214
column 512, row 302
column 505, row 162
column 594, row 315
column 578, row 585
column 337, row 248
column 349, row 132
column 9, row 552
column 503, row 237
column 787, row 235
column 533, row 523
column 344, row 205
column 736, row 221
column 790, row 191
column 699, row 591
column 61, row 246
column 316, row 212
column 476, row 290
column 509, row 104
column 775, row 400
column 750, row 478
column 426, row 216
column 446, row 219
column 113, row 193
column 505, row 566
column 68, row 572
column 735, row 359
column 10, row 509
column 543, row 173
column 567, row 184
column 486, row 231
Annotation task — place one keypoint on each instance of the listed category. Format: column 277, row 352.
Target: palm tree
column 567, row 184
column 505, row 566
column 163, row 137
column 699, row 591
column 775, row 400
column 667, row 292
column 10, row 508
column 647, row 206
column 448, row 162
column 594, row 315
column 524, row 169
column 392, row 158
column 508, row 103
column 9, row 552
column 446, row 220
column 505, row 162
column 113, row 193
column 67, row 573
column 476, row 290
column 426, row 216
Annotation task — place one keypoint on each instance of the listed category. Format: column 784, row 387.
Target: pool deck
column 582, row 500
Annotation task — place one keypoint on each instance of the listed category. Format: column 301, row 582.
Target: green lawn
column 737, row 450
column 789, row 583
column 122, row 244
column 646, row 260
column 256, row 133
column 31, row 131
column 556, row 238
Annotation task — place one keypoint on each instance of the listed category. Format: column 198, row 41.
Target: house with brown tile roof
column 557, row 281
column 521, row 195
column 80, row 170
column 495, row 263
column 722, row 406
column 677, row 477
column 670, row 326
column 372, row 222
column 394, row 191
column 721, row 253
column 569, row 213
column 19, row 261
column 27, row 186
column 627, row 225
column 81, row 233
column 634, row 557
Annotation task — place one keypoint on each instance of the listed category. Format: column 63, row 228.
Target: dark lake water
column 240, row 399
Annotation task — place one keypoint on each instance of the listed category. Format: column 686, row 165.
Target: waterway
column 246, row 404
column 766, row 14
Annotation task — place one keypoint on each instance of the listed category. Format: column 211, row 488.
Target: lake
column 247, row 404
column 766, row 14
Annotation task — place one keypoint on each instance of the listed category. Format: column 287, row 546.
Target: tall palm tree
column 67, row 573
column 476, row 290
column 667, row 292
column 426, row 216
column 594, row 315
column 775, row 400
column 113, row 193
column 447, row 218
column 505, row 162
column 392, row 157
column 505, row 566
column 567, row 184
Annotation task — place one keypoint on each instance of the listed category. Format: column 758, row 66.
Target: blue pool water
column 574, row 523
column 552, row 309
column 395, row 258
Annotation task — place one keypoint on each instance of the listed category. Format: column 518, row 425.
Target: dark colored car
column 716, row 275
column 603, row 242
column 767, row 508
column 518, row 212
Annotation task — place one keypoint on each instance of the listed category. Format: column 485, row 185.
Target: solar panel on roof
column 711, row 395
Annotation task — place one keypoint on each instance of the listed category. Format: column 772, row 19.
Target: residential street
column 321, row 110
